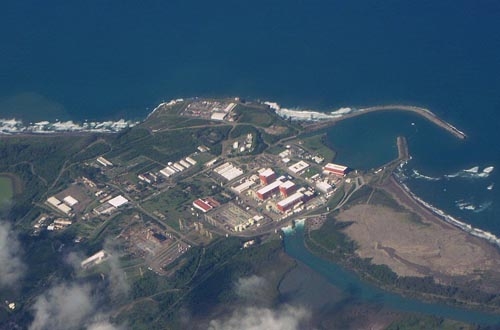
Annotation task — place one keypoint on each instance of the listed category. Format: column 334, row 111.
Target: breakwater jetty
column 321, row 120
column 426, row 113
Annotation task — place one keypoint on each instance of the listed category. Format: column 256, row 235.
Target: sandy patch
column 411, row 248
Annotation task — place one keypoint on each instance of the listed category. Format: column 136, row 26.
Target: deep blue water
column 101, row 59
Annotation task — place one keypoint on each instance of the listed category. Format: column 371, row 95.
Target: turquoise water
column 358, row 290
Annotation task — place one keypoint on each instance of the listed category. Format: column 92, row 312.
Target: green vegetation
column 330, row 243
column 37, row 163
column 260, row 117
column 422, row 322
column 203, row 281
column 6, row 191
column 330, row 238
column 316, row 144
column 203, row 278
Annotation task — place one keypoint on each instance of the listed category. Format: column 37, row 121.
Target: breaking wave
column 472, row 173
column 309, row 115
column 417, row 175
column 455, row 222
column 14, row 126
column 469, row 206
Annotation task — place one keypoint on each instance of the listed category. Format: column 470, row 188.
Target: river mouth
column 355, row 291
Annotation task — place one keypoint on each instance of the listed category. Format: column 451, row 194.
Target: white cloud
column 11, row 265
column 63, row 307
column 77, row 306
column 119, row 285
column 254, row 289
column 254, row 318
column 105, row 325
column 69, row 306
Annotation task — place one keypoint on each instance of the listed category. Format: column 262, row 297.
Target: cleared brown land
column 418, row 245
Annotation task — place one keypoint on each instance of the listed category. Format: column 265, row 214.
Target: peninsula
column 202, row 188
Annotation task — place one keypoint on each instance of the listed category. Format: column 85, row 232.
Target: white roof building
column 118, row 201
column 191, row 160
column 323, row 187
column 185, row 163
column 70, row 201
column 218, row 116
column 53, row 201
column 64, row 208
column 298, row 167
column 243, row 187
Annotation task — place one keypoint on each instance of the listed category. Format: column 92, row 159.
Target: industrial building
column 338, row 170
column 184, row 163
column 104, row 162
column 218, row 116
column 242, row 187
column 206, row 204
column 287, row 188
column 266, row 191
column 64, row 208
column 168, row 171
column 95, row 259
column 228, row 171
column 70, row 201
column 291, row 201
column 111, row 205
column 118, row 201
column 191, row 160
column 298, row 167
column 54, row 202
column 324, row 187
column 266, row 176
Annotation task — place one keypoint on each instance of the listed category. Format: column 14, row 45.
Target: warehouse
column 70, row 201
column 243, row 186
column 118, row 201
column 228, row 171
column 338, row 170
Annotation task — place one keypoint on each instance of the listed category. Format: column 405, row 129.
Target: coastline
column 317, row 120
column 405, row 190
column 323, row 120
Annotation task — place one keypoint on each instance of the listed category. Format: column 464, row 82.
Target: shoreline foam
column 448, row 218
column 347, row 112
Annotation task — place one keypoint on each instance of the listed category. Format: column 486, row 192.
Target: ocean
column 101, row 60
column 110, row 59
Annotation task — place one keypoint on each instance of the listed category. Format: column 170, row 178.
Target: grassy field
column 255, row 116
column 6, row 191
column 315, row 145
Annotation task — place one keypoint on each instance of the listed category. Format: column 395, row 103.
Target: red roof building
column 338, row 170
column 289, row 202
column 267, row 176
column 287, row 188
column 202, row 205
